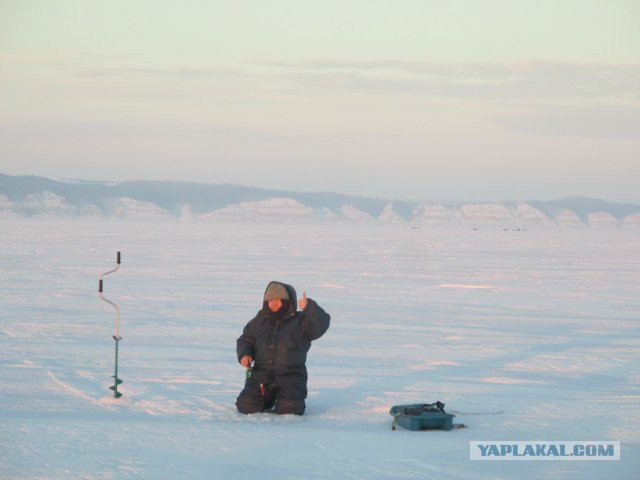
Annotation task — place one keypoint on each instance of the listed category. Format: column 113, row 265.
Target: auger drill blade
column 116, row 393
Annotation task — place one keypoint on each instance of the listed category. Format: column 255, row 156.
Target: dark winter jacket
column 279, row 347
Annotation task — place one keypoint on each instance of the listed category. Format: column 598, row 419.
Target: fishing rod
column 116, row 381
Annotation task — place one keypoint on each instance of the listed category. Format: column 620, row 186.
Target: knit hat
column 276, row 291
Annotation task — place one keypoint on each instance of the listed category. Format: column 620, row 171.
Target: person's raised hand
column 302, row 303
column 246, row 361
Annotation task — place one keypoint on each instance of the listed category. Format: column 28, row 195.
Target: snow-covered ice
column 526, row 335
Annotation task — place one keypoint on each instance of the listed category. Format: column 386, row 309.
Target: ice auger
column 116, row 381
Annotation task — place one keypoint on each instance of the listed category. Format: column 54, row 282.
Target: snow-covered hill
column 40, row 197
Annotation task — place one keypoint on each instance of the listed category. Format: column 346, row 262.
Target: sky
column 417, row 100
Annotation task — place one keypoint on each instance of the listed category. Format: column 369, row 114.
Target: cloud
column 517, row 80
column 189, row 73
column 525, row 80
column 63, row 130
column 598, row 121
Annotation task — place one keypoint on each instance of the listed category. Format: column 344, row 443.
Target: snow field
column 524, row 335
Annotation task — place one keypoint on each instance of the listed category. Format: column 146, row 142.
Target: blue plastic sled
column 421, row 416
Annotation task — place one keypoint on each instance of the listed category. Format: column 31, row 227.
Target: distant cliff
column 31, row 196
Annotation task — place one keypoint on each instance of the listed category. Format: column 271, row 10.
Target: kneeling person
column 276, row 341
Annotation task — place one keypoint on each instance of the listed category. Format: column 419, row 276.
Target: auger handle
column 100, row 289
column 102, row 275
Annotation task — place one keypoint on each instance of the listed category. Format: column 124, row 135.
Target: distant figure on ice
column 276, row 341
